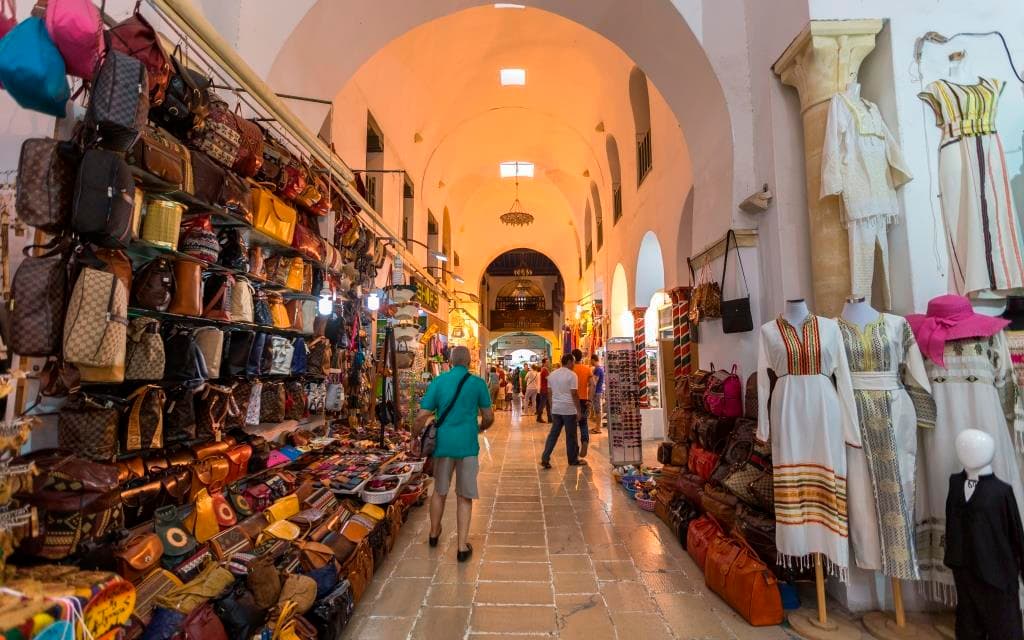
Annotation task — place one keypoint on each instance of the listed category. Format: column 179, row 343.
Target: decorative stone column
column 640, row 344
column 821, row 62
column 681, row 331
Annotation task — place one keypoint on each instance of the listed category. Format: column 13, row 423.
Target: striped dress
column 985, row 241
column 811, row 422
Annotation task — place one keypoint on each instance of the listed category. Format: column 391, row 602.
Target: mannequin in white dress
column 857, row 311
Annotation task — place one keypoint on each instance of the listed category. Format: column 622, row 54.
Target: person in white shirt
column 532, row 388
column 563, row 386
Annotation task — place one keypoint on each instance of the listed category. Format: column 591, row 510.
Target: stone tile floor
column 559, row 553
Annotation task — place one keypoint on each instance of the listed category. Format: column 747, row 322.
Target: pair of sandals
column 461, row 556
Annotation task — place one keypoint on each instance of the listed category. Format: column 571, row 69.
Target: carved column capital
column 825, row 58
column 680, row 294
column 638, row 312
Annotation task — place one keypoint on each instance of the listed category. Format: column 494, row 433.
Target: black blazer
column 984, row 534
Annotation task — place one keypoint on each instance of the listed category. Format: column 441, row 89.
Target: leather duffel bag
column 757, row 529
column 691, row 486
column 701, row 533
column 734, row 572
column 720, row 504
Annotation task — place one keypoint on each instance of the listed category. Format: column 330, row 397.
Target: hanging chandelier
column 516, row 216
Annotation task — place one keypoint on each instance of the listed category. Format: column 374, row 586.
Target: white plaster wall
column 892, row 78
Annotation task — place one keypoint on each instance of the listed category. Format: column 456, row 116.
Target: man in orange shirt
column 583, row 373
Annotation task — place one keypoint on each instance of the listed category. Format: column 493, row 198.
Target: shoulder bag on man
column 423, row 446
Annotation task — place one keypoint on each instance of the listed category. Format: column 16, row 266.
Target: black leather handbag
column 237, row 345
column 184, row 358
column 331, row 614
column 736, row 317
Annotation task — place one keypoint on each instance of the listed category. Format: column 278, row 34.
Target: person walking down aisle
column 456, row 397
column 492, row 386
column 565, row 412
column 532, row 389
column 502, row 385
column 583, row 374
column 596, row 410
column 517, row 392
column 543, row 396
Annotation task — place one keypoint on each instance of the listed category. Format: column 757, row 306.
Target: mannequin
column 984, row 544
column 796, row 312
column 857, row 311
column 975, row 449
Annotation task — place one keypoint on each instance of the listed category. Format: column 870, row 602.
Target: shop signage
column 426, row 295
column 526, row 319
column 431, row 331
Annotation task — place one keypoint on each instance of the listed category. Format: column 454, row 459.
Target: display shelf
column 134, row 312
column 622, row 394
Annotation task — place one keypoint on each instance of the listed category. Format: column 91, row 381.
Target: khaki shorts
column 465, row 476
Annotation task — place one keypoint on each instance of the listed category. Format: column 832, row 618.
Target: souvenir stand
column 192, row 444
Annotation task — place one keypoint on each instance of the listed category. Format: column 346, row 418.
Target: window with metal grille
column 371, row 190
column 644, row 158
column 616, row 202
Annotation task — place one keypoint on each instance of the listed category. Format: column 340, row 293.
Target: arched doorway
column 523, row 291
column 621, row 319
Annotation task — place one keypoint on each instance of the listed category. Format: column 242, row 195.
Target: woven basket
column 161, row 222
column 646, row 503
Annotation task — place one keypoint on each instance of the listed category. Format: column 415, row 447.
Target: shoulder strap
column 447, row 410
column 731, row 235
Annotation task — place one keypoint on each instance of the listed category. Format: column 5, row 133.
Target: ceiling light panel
column 508, row 5
column 516, row 168
column 513, row 77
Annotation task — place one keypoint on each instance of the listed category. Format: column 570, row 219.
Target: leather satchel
column 701, row 533
column 720, row 504
column 188, row 289
column 39, row 293
column 702, row 462
column 138, row 555
column 154, row 285
column 134, row 36
column 758, row 530
column 96, row 326
column 144, row 358
column 159, row 154
column 734, row 572
column 46, row 183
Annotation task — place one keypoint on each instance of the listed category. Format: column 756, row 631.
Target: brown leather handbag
column 757, row 529
column 146, row 419
column 136, row 37
column 680, row 424
column 47, row 170
column 720, row 504
column 735, row 573
column 154, row 285
column 702, row 462
column 158, row 153
column 691, row 486
column 138, row 555
column 701, row 533
column 188, row 289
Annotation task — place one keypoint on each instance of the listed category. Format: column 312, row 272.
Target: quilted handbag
column 158, row 153
column 146, row 419
column 701, row 533
column 734, row 572
column 273, row 216
column 96, row 325
column 87, row 425
column 47, row 170
column 32, row 69
column 118, row 104
column 39, row 292
column 724, row 395
column 144, row 356
column 135, row 37
column 702, row 462
column 720, row 504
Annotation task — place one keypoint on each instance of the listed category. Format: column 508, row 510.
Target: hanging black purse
column 736, row 317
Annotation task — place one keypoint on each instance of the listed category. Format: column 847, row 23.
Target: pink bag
column 277, row 458
column 724, row 396
column 8, row 16
column 75, row 27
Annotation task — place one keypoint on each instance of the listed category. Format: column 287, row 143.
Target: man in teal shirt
column 457, row 444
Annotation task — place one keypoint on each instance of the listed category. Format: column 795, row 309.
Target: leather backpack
column 104, row 200
column 154, row 285
column 96, row 325
column 135, row 37
column 118, row 103
column 144, row 358
column 39, row 301
column 187, row 99
column 47, row 170
column 724, row 395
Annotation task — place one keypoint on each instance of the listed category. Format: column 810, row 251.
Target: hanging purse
column 706, row 299
column 144, row 359
column 736, row 316
column 135, row 37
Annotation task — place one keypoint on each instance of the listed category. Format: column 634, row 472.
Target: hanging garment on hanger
column 811, row 424
column 884, row 361
column 862, row 162
column 985, row 241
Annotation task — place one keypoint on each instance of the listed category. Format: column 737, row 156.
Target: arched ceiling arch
column 430, row 72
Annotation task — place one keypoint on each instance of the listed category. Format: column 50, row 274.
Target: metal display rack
column 625, row 442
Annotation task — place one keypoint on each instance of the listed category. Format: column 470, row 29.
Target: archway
column 621, row 318
column 509, row 349
column 650, row 270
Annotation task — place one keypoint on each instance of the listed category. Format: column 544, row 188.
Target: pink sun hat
column 950, row 317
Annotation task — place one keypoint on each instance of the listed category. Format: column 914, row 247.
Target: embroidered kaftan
column 976, row 390
column 811, row 419
column 862, row 161
column 884, row 358
column 985, row 241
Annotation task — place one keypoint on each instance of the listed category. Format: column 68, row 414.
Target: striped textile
column 640, row 344
column 810, row 494
column 803, row 354
column 681, row 331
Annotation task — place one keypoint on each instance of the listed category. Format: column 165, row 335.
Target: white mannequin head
column 975, row 449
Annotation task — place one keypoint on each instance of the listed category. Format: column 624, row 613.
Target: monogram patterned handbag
column 272, row 402
column 87, row 425
column 47, row 170
column 144, row 359
column 95, row 329
column 39, row 294
column 146, row 419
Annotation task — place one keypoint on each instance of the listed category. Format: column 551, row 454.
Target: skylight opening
column 516, row 168
column 513, row 77
column 508, row 5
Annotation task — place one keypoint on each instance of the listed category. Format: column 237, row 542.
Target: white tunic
column 810, row 423
column 976, row 390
